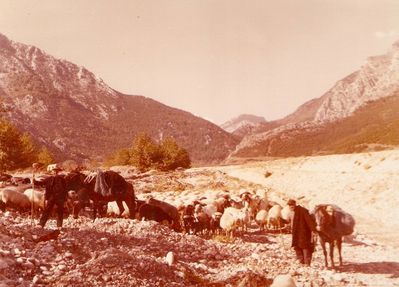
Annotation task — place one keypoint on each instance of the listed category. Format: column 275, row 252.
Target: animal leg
column 339, row 245
column 332, row 254
column 131, row 204
column 120, row 207
column 323, row 246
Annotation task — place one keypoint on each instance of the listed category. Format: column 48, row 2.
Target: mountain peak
column 243, row 124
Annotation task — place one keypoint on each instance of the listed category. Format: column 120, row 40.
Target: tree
column 45, row 156
column 173, row 156
column 144, row 153
column 120, row 157
column 16, row 149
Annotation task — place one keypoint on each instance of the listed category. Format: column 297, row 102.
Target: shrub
column 145, row 155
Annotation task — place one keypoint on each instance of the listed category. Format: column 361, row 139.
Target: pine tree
column 16, row 149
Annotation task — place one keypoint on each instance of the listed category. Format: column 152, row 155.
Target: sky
column 216, row 59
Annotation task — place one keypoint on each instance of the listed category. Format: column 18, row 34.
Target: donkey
column 113, row 188
column 332, row 223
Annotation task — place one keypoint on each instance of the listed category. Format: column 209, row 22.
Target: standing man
column 55, row 194
column 302, row 227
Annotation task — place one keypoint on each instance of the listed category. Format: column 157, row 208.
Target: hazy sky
column 214, row 58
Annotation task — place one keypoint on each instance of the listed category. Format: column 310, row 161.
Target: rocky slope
column 374, row 126
column 376, row 80
column 76, row 115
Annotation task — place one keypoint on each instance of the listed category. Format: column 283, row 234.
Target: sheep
column 168, row 208
column 261, row 219
column 155, row 213
column 187, row 218
column 15, row 199
column 245, row 218
column 287, row 215
column 274, row 217
column 113, row 209
column 231, row 219
column 221, row 203
column 52, row 166
column 36, row 197
column 214, row 223
column 202, row 219
column 252, row 204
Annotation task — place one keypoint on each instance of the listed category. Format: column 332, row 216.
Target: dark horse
column 113, row 188
column 332, row 223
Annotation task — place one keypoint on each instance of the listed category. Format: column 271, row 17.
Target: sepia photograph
column 216, row 143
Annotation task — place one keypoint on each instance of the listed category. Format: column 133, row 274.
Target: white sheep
column 113, row 209
column 261, row 219
column 287, row 215
column 274, row 217
column 232, row 219
column 36, row 197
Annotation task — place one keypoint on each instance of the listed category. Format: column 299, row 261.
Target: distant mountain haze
column 243, row 124
column 77, row 116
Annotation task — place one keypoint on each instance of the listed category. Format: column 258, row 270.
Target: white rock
column 61, row 267
column 283, row 281
column 36, row 279
column 170, row 258
column 68, row 254
column 16, row 251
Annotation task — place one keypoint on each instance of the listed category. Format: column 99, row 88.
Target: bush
column 145, row 155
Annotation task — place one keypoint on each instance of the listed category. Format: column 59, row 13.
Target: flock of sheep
column 221, row 211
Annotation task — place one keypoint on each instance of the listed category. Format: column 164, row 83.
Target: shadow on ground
column 383, row 267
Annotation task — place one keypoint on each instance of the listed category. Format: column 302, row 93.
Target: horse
column 102, row 188
column 332, row 224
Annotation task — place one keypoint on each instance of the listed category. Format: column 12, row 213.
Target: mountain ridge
column 377, row 79
column 76, row 115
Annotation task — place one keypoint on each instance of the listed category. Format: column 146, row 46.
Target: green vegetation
column 17, row 150
column 45, row 157
column 145, row 154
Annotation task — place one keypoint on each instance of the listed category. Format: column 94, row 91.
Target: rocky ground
column 124, row 252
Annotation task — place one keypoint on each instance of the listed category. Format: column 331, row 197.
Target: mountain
column 243, row 124
column 328, row 124
column 77, row 116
